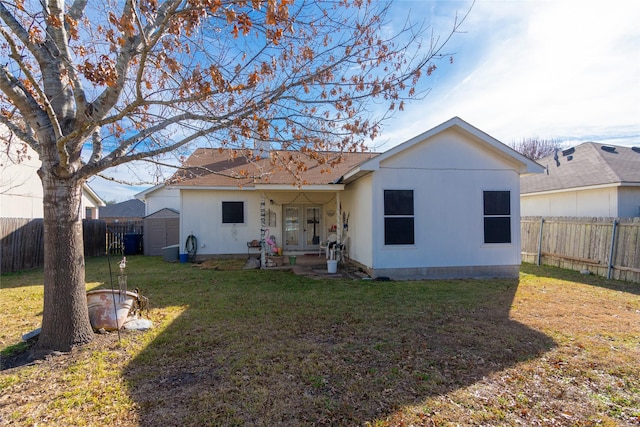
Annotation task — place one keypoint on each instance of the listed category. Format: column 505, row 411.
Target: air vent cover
column 608, row 148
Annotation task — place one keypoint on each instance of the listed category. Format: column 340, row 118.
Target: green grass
column 233, row 347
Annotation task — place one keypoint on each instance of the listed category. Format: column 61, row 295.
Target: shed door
column 160, row 232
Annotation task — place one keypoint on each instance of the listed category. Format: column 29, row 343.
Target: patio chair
column 326, row 245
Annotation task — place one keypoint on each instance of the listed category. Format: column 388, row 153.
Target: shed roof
column 588, row 164
column 164, row 213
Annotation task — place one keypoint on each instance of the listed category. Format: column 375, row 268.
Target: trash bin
column 132, row 243
column 292, row 260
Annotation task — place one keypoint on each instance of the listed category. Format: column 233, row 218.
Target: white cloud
column 553, row 69
column 567, row 70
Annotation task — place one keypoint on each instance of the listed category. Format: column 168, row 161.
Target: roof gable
column 492, row 146
column 588, row 164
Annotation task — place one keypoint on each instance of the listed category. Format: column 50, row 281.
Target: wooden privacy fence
column 21, row 244
column 117, row 234
column 22, row 240
column 609, row 247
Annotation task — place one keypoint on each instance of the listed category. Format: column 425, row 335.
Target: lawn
column 233, row 347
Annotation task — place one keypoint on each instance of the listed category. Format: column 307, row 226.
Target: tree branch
column 21, row 134
column 21, row 33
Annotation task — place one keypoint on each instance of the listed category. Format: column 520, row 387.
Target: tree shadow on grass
column 272, row 348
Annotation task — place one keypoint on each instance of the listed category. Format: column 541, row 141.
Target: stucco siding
column 357, row 202
column 629, row 201
column 20, row 187
column 448, row 209
column 21, row 192
column 201, row 215
column 448, row 174
column 447, row 151
column 599, row 202
column 165, row 197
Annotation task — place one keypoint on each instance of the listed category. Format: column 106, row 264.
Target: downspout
column 263, row 229
column 338, row 219
column 613, row 245
column 540, row 242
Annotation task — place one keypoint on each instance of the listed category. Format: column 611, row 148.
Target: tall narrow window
column 233, row 212
column 497, row 217
column 398, row 217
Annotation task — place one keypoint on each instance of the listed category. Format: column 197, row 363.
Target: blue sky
column 567, row 70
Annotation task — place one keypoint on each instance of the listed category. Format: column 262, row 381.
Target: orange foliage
column 238, row 69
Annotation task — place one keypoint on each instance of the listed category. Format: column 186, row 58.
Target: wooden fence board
column 22, row 240
column 585, row 243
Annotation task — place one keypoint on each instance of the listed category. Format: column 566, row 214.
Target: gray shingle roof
column 586, row 165
column 133, row 208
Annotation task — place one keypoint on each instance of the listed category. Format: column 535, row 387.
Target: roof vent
column 568, row 151
column 262, row 149
column 636, row 149
column 608, row 148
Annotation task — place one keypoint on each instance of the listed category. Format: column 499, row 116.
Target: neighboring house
column 130, row 210
column 21, row 189
column 443, row 204
column 590, row 180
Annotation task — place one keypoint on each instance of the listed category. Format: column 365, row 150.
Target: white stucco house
column 21, row 189
column 444, row 204
column 589, row 180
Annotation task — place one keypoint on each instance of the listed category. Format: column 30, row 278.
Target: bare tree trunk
column 65, row 320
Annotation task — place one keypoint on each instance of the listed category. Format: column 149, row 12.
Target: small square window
column 233, row 212
column 497, row 203
column 497, row 216
column 497, row 230
column 398, row 231
column 398, row 217
column 398, row 202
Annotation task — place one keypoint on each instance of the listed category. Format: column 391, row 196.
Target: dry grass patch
column 269, row 347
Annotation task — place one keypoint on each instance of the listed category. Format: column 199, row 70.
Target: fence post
column 540, row 242
column 613, row 245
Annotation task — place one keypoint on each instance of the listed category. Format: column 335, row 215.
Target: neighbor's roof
column 212, row 167
column 133, row 208
column 588, row 164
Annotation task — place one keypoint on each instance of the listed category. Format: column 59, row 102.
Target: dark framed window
column 398, row 217
column 497, row 216
column 233, row 212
